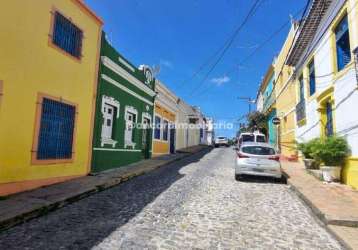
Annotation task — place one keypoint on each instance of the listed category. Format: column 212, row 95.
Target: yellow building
column 286, row 99
column 48, row 76
column 165, row 112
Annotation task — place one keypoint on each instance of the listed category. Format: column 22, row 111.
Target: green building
column 124, row 111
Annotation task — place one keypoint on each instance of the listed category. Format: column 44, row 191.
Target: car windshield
column 258, row 150
column 248, row 138
column 221, row 138
column 260, row 138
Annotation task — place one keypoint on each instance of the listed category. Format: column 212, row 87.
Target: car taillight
column 275, row 158
column 242, row 155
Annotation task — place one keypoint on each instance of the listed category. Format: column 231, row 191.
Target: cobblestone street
column 192, row 203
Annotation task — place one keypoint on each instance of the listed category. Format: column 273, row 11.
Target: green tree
column 257, row 120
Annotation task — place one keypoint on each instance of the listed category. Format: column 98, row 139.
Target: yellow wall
column 350, row 172
column 29, row 66
column 285, row 99
column 161, row 147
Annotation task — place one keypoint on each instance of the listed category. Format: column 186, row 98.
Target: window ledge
column 338, row 74
column 108, row 141
column 129, row 144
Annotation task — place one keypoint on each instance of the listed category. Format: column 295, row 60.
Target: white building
column 325, row 76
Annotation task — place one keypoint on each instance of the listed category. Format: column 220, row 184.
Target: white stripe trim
column 123, row 73
column 124, row 88
column 117, row 149
column 126, row 64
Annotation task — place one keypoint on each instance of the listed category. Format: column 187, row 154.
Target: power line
column 251, row 12
column 275, row 33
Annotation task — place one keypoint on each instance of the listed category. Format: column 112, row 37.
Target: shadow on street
column 87, row 222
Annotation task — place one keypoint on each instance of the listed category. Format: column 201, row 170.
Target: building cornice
column 124, row 88
column 124, row 73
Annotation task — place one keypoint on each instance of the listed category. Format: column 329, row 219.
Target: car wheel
column 237, row 177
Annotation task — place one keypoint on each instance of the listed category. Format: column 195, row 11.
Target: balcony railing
column 300, row 111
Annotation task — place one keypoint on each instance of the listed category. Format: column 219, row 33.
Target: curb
column 321, row 216
column 107, row 184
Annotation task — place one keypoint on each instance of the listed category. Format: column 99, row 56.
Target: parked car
column 251, row 137
column 258, row 159
column 221, row 141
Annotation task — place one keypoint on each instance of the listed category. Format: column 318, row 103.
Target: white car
column 221, row 141
column 258, row 159
column 251, row 137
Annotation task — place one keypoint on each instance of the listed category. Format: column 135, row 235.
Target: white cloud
column 166, row 63
column 220, row 80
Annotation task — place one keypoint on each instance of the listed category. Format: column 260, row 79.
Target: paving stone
column 191, row 204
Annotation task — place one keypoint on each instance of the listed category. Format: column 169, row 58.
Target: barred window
column 301, row 88
column 343, row 49
column 157, row 124
column 67, row 36
column 312, row 78
column 165, row 130
column 56, row 130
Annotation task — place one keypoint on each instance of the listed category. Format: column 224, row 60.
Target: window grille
column 157, row 128
column 67, row 36
column 302, row 88
column 329, row 123
column 300, row 111
column 342, row 44
column 165, row 130
column 56, row 130
column 312, row 78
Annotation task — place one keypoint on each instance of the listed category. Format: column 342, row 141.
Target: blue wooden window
column 329, row 123
column 201, row 133
column 67, row 36
column 343, row 49
column 165, row 130
column 56, row 130
column 302, row 89
column 312, row 78
column 157, row 127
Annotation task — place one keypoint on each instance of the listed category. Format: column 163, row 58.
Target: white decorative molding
column 128, row 141
column 148, row 73
column 123, row 73
column 132, row 110
column 124, row 88
column 146, row 115
column 117, row 149
column 126, row 64
column 111, row 101
column 108, row 141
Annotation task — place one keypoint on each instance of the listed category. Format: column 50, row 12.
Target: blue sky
column 181, row 35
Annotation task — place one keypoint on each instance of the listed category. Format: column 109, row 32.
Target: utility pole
column 249, row 100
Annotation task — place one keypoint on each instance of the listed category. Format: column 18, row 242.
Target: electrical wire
column 251, row 13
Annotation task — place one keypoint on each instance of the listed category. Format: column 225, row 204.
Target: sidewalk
column 336, row 205
column 24, row 206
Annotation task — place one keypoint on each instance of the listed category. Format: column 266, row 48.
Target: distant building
column 210, row 133
column 286, row 98
column 267, row 103
column 165, row 116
